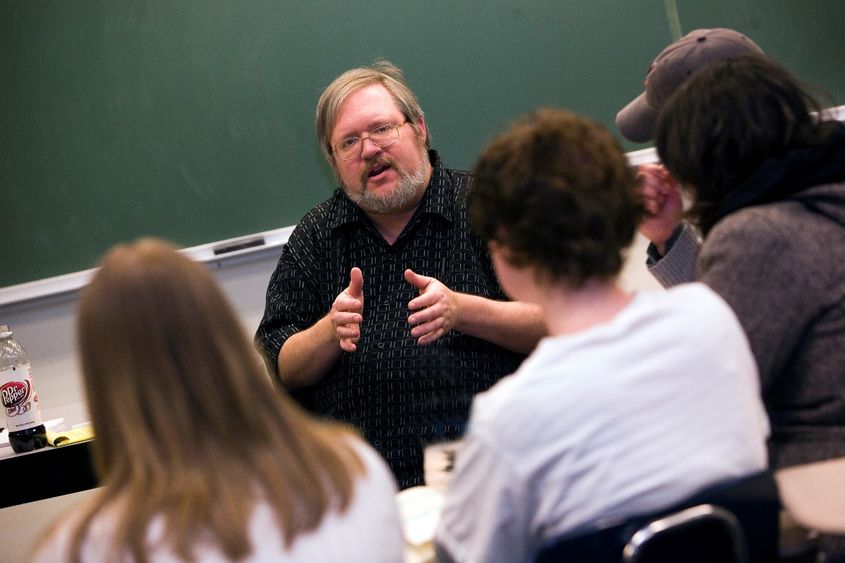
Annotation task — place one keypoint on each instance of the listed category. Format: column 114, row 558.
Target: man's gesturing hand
column 348, row 312
column 434, row 312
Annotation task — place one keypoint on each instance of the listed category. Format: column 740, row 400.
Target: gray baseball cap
column 671, row 68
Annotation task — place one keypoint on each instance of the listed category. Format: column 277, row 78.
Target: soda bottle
column 20, row 401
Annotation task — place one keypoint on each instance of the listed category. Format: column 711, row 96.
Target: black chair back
column 700, row 534
column 752, row 500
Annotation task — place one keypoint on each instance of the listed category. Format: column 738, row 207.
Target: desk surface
column 813, row 494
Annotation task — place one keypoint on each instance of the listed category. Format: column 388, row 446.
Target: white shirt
column 369, row 531
column 626, row 417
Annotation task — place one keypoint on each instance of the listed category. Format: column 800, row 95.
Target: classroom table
column 45, row 473
column 813, row 494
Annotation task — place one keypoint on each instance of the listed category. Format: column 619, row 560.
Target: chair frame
column 752, row 501
column 685, row 518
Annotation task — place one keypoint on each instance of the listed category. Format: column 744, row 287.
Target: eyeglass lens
column 383, row 136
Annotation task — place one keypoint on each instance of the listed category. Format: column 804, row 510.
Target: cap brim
column 636, row 120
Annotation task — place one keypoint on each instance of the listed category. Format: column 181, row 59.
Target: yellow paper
column 72, row 436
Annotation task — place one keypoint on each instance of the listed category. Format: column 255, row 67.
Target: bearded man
column 384, row 311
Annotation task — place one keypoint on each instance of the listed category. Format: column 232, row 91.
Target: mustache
column 378, row 162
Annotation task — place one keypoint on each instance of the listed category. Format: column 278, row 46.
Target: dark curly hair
column 557, row 192
column 730, row 117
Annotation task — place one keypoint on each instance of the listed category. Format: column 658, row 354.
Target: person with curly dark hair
column 635, row 400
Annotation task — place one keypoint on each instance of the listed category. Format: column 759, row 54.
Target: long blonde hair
column 187, row 424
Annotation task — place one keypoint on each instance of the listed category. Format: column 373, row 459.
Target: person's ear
column 422, row 130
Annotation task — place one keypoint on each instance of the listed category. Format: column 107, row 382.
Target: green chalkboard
column 193, row 119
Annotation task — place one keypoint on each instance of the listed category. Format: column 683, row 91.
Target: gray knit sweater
column 781, row 266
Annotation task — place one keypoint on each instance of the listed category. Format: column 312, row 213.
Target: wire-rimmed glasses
column 383, row 135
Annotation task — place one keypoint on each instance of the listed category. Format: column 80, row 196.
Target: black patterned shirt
column 400, row 395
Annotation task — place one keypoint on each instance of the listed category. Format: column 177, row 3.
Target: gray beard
column 403, row 196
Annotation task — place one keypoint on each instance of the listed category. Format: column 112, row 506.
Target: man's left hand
column 434, row 312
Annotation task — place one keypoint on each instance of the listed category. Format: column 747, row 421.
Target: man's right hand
column 348, row 312
column 664, row 207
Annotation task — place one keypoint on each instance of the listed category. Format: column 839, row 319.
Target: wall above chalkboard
column 193, row 120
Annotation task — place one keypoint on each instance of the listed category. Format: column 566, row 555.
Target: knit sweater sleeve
column 756, row 263
column 678, row 265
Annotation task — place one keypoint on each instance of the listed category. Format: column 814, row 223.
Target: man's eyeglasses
column 384, row 135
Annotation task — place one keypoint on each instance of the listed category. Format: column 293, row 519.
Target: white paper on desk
column 419, row 508
column 54, row 424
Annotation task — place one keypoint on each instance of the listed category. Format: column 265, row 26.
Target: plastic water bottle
column 20, row 401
